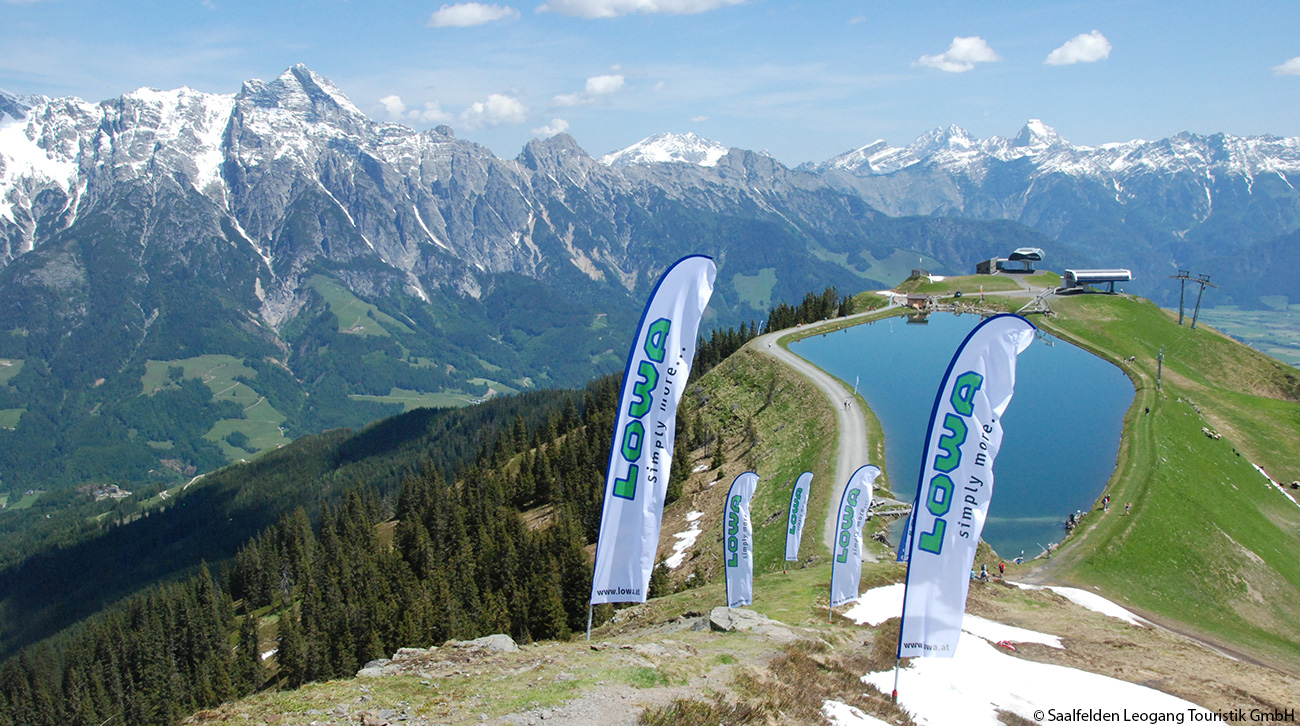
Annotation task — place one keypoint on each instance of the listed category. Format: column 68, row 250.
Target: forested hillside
column 342, row 547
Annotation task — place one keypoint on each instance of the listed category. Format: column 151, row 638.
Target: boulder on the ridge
column 498, row 643
column 728, row 620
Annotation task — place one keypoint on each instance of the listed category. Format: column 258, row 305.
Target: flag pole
column 589, row 609
column 897, row 661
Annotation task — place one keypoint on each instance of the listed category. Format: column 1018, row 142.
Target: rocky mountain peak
column 299, row 90
column 1036, row 134
column 12, row 106
column 661, row 148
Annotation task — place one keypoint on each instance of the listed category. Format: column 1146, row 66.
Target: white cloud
column 699, row 119
column 393, row 105
column 857, row 19
column 615, row 8
column 1085, row 48
column 496, row 110
column 961, row 56
column 569, row 99
column 431, row 113
column 1290, row 68
column 604, row 85
column 556, row 126
column 397, row 111
column 596, row 87
column 464, row 15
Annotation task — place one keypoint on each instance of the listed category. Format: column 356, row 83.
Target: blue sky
column 803, row 81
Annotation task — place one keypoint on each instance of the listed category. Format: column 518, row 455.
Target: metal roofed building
column 1026, row 256
column 1076, row 279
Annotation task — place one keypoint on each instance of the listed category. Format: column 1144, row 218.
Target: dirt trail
column 852, row 449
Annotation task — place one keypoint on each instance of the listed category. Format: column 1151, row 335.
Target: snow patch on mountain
column 189, row 121
column 661, row 148
column 954, row 150
column 25, row 166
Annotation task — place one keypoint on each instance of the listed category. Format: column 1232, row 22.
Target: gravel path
column 851, row 449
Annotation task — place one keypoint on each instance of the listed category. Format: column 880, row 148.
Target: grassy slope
column 794, row 433
column 1210, row 543
column 261, row 422
column 971, row 284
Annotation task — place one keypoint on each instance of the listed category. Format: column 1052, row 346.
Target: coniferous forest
column 351, row 574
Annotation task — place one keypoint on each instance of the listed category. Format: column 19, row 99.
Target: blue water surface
column 1061, row 430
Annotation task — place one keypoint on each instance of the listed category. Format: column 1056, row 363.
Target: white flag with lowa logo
column 641, row 456
column 797, row 514
column 738, row 541
column 956, row 483
column 846, row 560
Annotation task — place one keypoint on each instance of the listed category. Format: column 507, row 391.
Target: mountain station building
column 1026, row 256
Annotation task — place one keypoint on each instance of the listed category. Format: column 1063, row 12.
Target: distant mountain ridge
column 956, row 150
column 1214, row 201
column 1184, row 201
column 687, row 148
column 315, row 268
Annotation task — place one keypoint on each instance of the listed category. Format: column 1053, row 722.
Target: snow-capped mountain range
column 167, row 225
column 956, row 151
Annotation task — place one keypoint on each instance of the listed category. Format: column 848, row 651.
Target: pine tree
column 249, row 672
column 659, row 583
column 292, row 651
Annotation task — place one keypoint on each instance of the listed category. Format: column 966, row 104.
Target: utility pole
column 1160, row 366
column 1204, row 281
column 1183, row 276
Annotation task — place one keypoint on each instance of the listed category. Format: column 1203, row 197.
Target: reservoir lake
column 1061, row 430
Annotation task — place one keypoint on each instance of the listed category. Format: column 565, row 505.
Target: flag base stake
column 895, row 694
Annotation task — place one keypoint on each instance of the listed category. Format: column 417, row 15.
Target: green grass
column 8, row 369
column 892, row 268
column 898, row 265
column 498, row 386
column 795, row 433
column 644, row 677
column 9, row 417
column 217, row 371
column 1209, row 543
column 415, row 399
column 967, row 284
column 25, row 501
column 261, row 422
column 355, row 316
column 449, row 398
column 261, row 426
column 159, row 499
column 756, row 290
